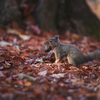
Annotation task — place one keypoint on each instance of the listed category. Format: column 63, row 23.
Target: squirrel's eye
column 50, row 41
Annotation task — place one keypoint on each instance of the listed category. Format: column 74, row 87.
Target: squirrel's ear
column 56, row 37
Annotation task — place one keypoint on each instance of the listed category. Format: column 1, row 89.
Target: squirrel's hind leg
column 71, row 60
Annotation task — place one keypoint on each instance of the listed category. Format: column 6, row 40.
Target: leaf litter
column 27, row 72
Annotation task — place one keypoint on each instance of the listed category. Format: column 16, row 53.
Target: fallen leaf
column 3, row 43
column 8, row 64
column 1, row 59
column 28, row 83
column 59, row 75
column 18, row 58
column 14, row 31
column 75, row 37
column 24, row 76
column 30, row 60
column 43, row 73
column 39, row 60
column 35, row 28
column 35, row 65
column 1, row 74
column 16, row 48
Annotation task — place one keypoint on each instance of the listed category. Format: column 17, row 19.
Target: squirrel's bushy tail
column 93, row 55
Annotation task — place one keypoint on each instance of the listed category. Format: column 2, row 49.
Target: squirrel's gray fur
column 74, row 55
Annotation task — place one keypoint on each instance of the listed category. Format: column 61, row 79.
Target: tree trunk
column 9, row 12
column 73, row 15
column 47, row 14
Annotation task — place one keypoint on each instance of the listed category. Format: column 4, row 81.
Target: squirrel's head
column 51, row 43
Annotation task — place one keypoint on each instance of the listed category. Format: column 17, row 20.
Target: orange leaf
column 28, row 83
column 18, row 58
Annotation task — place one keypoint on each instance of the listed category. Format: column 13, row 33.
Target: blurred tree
column 8, row 12
column 73, row 15
column 58, row 15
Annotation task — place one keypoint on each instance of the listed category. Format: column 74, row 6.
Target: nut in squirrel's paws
column 47, row 48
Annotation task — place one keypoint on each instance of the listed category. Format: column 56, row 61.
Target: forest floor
column 27, row 72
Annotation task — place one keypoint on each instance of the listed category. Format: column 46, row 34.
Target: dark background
column 73, row 16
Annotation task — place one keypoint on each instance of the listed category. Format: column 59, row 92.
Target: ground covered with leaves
column 27, row 72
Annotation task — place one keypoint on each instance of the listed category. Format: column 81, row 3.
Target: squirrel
column 74, row 55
